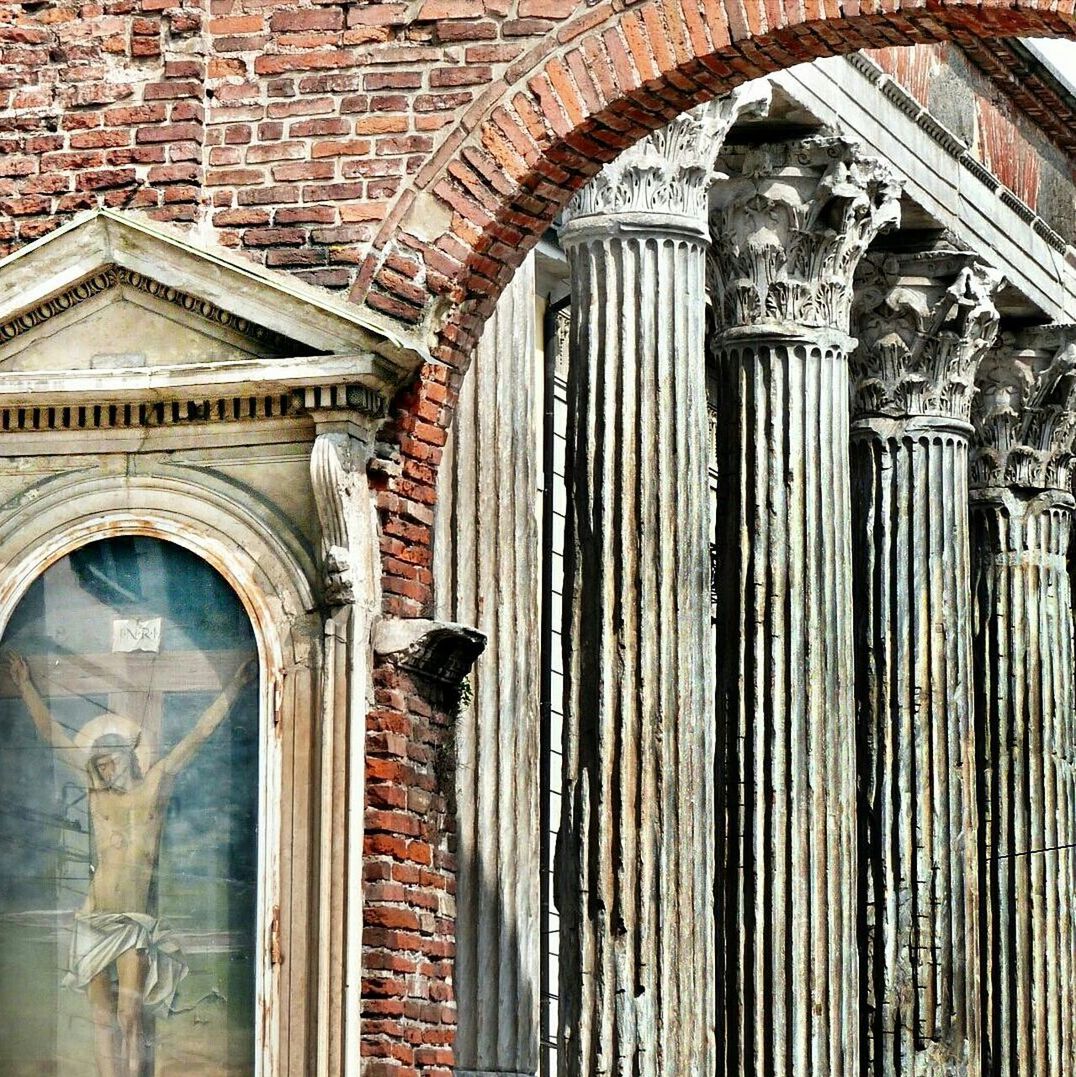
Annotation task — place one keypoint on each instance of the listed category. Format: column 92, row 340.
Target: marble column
column 1025, row 418
column 486, row 574
column 924, row 322
column 789, row 227
column 634, row 860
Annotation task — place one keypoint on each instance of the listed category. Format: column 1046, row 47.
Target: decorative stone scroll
column 924, row 321
column 1025, row 703
column 634, row 862
column 789, row 228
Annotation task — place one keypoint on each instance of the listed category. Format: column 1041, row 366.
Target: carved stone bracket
column 336, row 462
column 1025, row 413
column 670, row 171
column 924, row 321
column 439, row 651
column 789, row 227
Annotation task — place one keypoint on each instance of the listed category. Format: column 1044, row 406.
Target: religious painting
column 129, row 777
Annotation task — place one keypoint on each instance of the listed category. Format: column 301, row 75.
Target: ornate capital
column 1025, row 413
column 924, row 321
column 788, row 229
column 669, row 172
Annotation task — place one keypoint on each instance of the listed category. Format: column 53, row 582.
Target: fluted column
column 634, row 857
column 1021, row 475
column 789, row 228
column 486, row 575
column 924, row 322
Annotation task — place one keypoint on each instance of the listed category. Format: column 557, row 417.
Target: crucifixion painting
column 119, row 955
column 129, row 775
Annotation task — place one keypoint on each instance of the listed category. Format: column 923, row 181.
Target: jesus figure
column 117, row 938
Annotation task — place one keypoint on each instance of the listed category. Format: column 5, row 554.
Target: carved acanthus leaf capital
column 670, row 172
column 924, row 322
column 788, row 229
column 1025, row 411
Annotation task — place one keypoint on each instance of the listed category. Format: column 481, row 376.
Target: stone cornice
column 788, row 229
column 670, row 172
column 114, row 276
column 1025, row 412
column 924, row 321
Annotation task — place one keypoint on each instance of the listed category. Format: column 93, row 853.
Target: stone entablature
column 923, row 322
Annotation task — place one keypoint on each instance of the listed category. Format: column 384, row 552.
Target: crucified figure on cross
column 120, row 956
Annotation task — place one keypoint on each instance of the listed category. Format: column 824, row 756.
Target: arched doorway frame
column 271, row 575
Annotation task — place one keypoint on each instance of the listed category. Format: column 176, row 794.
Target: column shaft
column 487, row 577
column 1024, row 645
column 913, row 647
column 786, row 750
column 634, row 852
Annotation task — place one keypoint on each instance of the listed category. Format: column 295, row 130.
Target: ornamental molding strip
column 788, row 229
column 924, row 321
column 1025, row 413
column 114, row 276
column 670, row 172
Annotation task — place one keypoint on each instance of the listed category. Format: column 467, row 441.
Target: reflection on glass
column 128, row 813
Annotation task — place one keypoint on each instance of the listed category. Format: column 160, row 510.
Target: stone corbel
column 439, row 652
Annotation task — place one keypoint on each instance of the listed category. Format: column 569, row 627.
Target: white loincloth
column 99, row 938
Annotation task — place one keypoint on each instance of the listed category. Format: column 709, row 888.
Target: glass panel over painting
column 128, row 819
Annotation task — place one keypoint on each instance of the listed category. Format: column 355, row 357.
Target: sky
column 1060, row 54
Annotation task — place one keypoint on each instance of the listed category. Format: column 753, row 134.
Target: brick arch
column 606, row 78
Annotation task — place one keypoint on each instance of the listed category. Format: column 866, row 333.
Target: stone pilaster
column 1025, row 418
column 634, row 856
column 789, row 228
column 486, row 575
column 924, row 322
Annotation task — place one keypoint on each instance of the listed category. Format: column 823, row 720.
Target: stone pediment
column 116, row 308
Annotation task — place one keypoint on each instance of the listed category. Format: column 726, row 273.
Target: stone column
column 924, row 322
column 1025, row 419
column 487, row 574
column 634, row 856
column 789, row 229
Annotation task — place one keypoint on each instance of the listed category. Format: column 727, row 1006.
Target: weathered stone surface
column 635, row 849
column 789, row 229
column 924, row 321
column 1025, row 707
column 486, row 572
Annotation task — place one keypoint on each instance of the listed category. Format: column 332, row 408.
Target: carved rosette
column 789, row 227
column 1025, row 413
column 669, row 172
column 924, row 323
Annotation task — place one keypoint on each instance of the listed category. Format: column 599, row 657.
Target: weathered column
column 789, row 229
column 1025, row 418
column 634, row 856
column 924, row 322
column 487, row 575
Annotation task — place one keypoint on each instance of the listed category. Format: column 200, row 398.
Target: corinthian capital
column 924, row 322
column 670, row 172
column 1025, row 413
column 789, row 227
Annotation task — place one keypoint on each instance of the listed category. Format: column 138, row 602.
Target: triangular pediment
column 114, row 293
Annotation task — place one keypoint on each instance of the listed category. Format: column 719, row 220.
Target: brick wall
column 406, row 153
column 408, row 942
